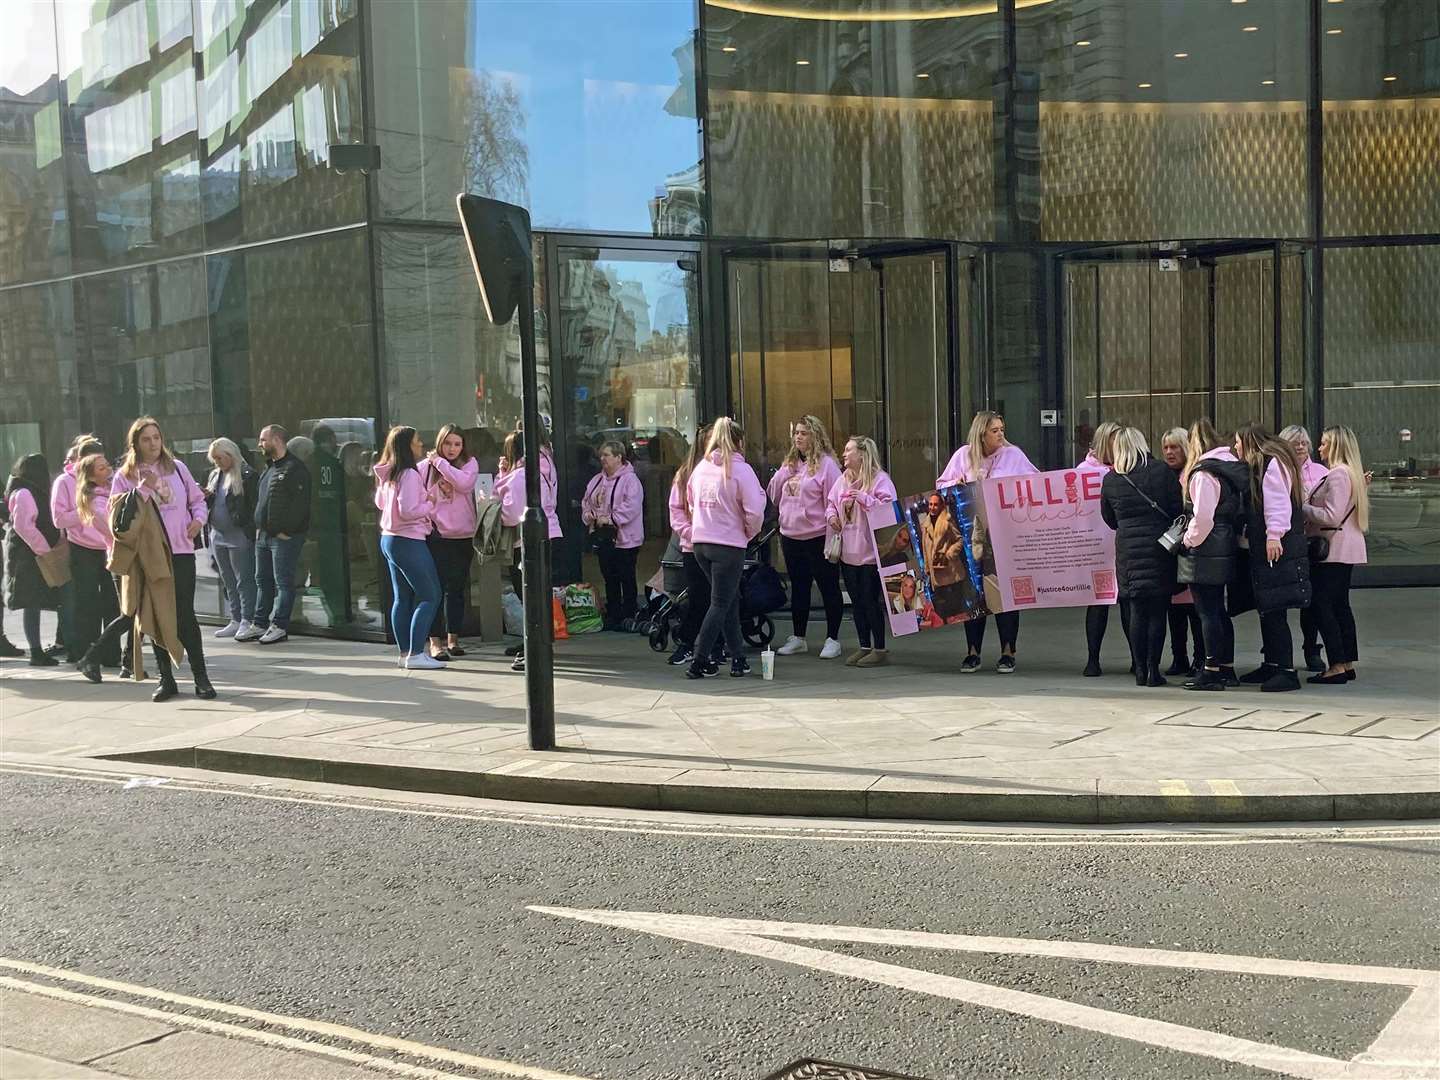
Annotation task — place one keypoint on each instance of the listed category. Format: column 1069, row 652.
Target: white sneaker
column 230, row 629
column 793, row 646
column 248, row 632
column 420, row 662
column 274, row 635
column 830, row 650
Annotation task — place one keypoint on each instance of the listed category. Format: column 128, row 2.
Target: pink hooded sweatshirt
column 1205, row 497
column 852, row 509
column 1007, row 461
column 680, row 522
column 725, row 511
column 455, row 517
column 66, row 513
column 24, row 515
column 406, row 506
column 801, row 498
column 1275, row 496
column 1092, row 464
column 621, row 498
column 186, row 502
column 510, row 490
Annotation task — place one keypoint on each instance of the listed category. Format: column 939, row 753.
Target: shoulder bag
column 604, row 537
column 55, row 564
column 1172, row 537
column 1318, row 547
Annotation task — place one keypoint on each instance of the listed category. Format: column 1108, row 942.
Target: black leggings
column 1330, row 606
column 1097, row 618
column 1276, row 644
column 867, row 603
column 617, row 565
column 806, row 562
column 1147, row 630
column 187, row 626
column 93, row 603
column 1183, row 617
column 723, row 566
column 1218, row 630
column 453, row 559
column 1009, row 626
column 697, row 599
column 1309, row 629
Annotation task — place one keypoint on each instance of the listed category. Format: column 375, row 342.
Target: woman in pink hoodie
column 862, row 486
column 29, row 535
column 800, row 490
column 1338, row 508
column 90, row 601
column 510, row 490
column 1097, row 616
column 697, row 585
column 450, row 472
column 406, row 508
column 986, row 454
column 727, row 508
column 1311, row 473
column 613, row 512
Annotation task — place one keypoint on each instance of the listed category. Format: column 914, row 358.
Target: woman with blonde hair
column 1097, row 616
column 613, row 510
column 697, row 585
column 231, row 493
column 1337, row 509
column 800, row 489
column 1174, row 451
column 407, row 509
column 987, row 454
column 1311, row 473
column 726, row 505
column 862, row 486
column 89, row 601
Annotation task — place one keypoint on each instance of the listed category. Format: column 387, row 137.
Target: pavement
column 914, row 740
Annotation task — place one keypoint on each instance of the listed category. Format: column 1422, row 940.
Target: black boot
column 89, row 666
column 8, row 649
column 42, row 658
column 1179, row 666
column 1227, row 672
column 167, row 688
column 1155, row 678
column 1259, row 675
column 1313, row 660
column 203, row 689
column 1207, row 680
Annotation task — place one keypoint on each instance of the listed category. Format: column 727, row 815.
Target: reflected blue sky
column 595, row 77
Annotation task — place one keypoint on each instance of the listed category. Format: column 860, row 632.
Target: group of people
column 1265, row 528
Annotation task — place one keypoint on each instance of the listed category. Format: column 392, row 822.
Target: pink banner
column 1046, row 544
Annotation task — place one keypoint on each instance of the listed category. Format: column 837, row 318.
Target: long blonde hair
column 1202, row 439
column 869, row 464
column 820, row 445
column 235, row 474
column 697, row 451
column 1127, row 449
column 131, row 463
column 1101, row 440
column 728, row 438
column 1345, row 454
column 1258, row 444
column 85, row 487
column 976, row 441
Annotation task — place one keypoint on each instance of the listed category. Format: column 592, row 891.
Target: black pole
column 535, row 549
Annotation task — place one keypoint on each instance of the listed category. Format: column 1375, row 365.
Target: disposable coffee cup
column 767, row 664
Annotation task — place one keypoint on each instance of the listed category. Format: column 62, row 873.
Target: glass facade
column 885, row 212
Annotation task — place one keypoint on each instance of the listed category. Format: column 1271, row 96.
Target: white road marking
column 1076, row 836
column 1407, row 1049
column 292, row 1023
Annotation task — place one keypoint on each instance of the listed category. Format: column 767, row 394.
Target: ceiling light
column 1249, row 29
column 1144, row 85
column 1390, row 78
column 1267, row 82
column 1181, row 55
column 1237, row 1
column 1082, row 43
column 922, row 75
column 728, row 48
column 802, row 63
column 1334, row 30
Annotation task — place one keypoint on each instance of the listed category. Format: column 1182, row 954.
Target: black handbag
column 604, row 537
column 1171, row 538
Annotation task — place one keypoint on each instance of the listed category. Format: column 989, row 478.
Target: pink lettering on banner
column 1047, row 541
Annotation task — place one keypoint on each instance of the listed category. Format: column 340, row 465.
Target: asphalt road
column 388, row 917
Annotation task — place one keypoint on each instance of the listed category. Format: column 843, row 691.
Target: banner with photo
column 1007, row 544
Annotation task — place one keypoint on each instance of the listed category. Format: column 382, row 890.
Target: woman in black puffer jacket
column 1139, row 500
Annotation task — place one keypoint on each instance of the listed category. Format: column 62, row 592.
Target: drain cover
column 811, row 1069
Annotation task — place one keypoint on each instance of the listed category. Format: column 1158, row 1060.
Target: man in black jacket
column 282, row 517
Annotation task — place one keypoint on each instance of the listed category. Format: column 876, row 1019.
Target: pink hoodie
column 1092, row 464
column 1275, row 495
column 1205, row 497
column 455, row 515
column 1007, row 461
column 801, row 498
column 621, row 498
column 725, row 512
column 406, row 506
column 852, row 509
column 23, row 517
column 680, row 522
column 186, row 502
column 1311, row 473
column 66, row 513
column 510, row 490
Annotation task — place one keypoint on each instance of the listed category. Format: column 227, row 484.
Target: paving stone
column 1400, row 727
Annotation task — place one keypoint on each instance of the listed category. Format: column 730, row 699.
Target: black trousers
column 453, row 559
column 93, row 604
column 1147, row 630
column 867, row 604
column 1217, row 630
column 805, row 560
column 1008, row 623
column 1183, row 617
column 1330, row 606
column 617, row 566
column 697, row 598
column 1309, row 629
column 1276, row 644
column 723, row 566
column 187, row 626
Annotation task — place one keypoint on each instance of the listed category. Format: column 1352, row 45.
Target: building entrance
column 873, row 339
column 1158, row 335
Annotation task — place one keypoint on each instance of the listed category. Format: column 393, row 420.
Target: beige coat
column 943, row 548
column 141, row 560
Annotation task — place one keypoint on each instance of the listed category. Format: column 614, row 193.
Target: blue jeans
column 275, row 562
column 237, row 571
column 416, row 588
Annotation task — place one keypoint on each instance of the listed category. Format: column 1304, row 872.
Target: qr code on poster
column 1022, row 590
column 1104, row 581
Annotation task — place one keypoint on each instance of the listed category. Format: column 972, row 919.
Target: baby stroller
column 761, row 592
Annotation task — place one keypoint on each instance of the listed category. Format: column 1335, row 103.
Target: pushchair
column 761, row 592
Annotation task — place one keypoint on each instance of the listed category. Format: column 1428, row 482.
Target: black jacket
column 241, row 505
column 1287, row 583
column 1142, row 566
column 1213, row 560
column 25, row 586
column 283, row 505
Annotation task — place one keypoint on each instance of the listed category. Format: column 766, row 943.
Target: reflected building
column 888, row 213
